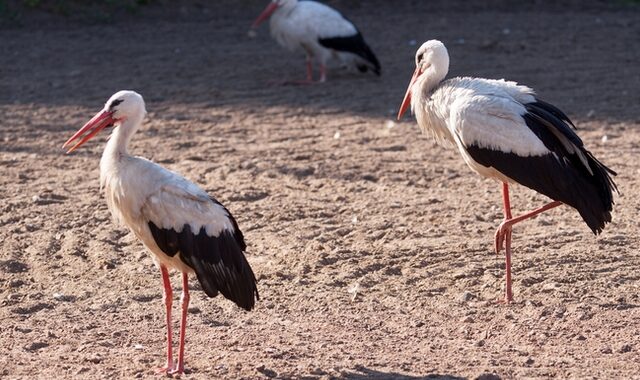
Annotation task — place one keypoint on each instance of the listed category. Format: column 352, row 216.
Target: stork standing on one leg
column 321, row 32
column 504, row 132
column 179, row 223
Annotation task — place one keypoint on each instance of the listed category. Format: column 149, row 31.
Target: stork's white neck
column 119, row 139
column 115, row 153
column 431, row 78
column 428, row 113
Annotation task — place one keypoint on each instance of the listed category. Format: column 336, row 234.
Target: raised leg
column 503, row 233
column 167, row 296
column 507, row 224
column 184, row 302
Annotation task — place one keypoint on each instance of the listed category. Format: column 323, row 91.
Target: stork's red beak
column 265, row 14
column 97, row 123
column 407, row 96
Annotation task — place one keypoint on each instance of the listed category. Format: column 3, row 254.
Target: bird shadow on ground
column 363, row 373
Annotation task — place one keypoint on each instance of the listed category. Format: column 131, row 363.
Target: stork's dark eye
column 420, row 57
column 115, row 103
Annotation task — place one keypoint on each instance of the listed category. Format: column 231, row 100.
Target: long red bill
column 407, row 96
column 97, row 123
column 266, row 13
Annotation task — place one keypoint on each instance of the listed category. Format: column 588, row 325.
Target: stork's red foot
column 168, row 369
column 171, row 370
column 503, row 301
column 175, row 371
column 503, row 231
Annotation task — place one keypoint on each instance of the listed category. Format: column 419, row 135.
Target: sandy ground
column 372, row 245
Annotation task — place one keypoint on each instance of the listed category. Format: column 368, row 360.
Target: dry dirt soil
column 372, row 245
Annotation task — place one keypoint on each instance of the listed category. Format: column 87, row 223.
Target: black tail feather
column 356, row 45
column 589, row 188
column 218, row 261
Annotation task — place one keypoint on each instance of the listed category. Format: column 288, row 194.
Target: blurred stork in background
column 504, row 132
column 182, row 226
column 321, row 32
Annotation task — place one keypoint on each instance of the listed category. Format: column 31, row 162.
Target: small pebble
column 36, row 346
column 59, row 296
column 466, row 296
column 96, row 359
column 625, row 348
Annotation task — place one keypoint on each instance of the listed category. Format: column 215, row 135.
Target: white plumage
column 178, row 222
column 319, row 31
column 504, row 132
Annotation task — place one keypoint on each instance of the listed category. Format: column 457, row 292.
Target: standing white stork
column 178, row 222
column 504, row 132
column 321, row 32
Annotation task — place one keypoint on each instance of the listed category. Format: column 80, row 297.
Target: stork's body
column 179, row 223
column 504, row 132
column 321, row 32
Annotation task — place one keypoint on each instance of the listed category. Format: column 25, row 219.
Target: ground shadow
column 363, row 373
column 206, row 58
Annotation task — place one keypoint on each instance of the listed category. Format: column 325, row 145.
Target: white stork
column 178, row 222
column 321, row 32
column 504, row 132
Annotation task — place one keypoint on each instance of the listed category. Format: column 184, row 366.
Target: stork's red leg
column 167, row 296
column 529, row 215
column 184, row 302
column 503, row 233
column 309, row 80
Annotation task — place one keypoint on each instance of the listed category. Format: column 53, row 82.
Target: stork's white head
column 432, row 65
column 122, row 106
column 273, row 6
column 125, row 104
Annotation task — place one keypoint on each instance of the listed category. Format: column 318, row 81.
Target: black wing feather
column 356, row 45
column 218, row 261
column 237, row 234
column 560, row 175
column 557, row 112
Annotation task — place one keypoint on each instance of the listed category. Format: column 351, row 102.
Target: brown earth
column 373, row 246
